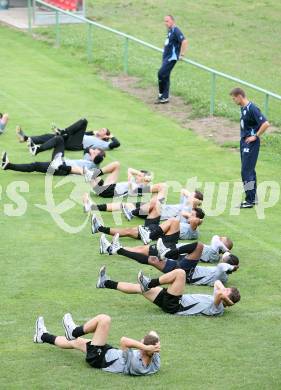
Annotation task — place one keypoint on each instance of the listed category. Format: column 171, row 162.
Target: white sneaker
column 88, row 204
column 102, row 277
column 144, row 233
column 40, row 328
column 57, row 162
column 127, row 212
column 95, row 224
column 5, row 160
column 115, row 245
column 69, row 326
column 104, row 245
column 162, row 249
column 143, row 282
column 33, row 147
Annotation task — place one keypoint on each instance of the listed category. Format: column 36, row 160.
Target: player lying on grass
column 143, row 360
column 75, row 138
column 59, row 166
column 4, row 118
column 138, row 182
column 188, row 262
column 211, row 253
column 142, row 210
column 173, row 300
column 171, row 230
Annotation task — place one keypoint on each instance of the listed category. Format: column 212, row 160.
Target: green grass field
column 238, row 38
column 47, row 271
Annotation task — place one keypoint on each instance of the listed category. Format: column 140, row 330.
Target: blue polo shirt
column 173, row 44
column 251, row 120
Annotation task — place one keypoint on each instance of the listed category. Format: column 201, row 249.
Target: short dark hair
column 199, row 212
column 232, row 259
column 229, row 243
column 234, row 295
column 100, row 157
column 150, row 339
column 1, row 115
column 198, row 195
column 146, row 173
column 107, row 131
column 171, row 16
column 237, row 91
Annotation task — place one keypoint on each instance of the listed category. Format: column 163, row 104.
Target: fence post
column 266, row 104
column 30, row 15
column 90, row 43
column 213, row 93
column 126, row 55
column 57, row 29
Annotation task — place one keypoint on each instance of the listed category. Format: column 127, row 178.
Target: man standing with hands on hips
column 174, row 50
column 252, row 125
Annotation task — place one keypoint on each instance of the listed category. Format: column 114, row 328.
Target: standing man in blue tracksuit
column 252, row 125
column 174, row 50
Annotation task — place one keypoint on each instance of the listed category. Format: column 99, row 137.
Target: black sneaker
column 246, row 205
column 162, row 101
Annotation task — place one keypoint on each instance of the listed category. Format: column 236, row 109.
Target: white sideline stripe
column 20, row 103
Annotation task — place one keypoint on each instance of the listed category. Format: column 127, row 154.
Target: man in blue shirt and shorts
column 174, row 50
column 252, row 125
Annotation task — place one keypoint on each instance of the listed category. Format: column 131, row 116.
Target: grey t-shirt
column 121, row 188
column 209, row 255
column 170, row 211
column 94, row 142
column 186, row 232
column 208, row 275
column 129, row 362
column 85, row 163
column 195, row 304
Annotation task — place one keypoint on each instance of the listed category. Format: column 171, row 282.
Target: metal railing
column 214, row 73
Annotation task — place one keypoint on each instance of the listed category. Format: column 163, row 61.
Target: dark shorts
column 171, row 239
column 152, row 250
column 105, row 191
column 170, row 266
column 95, row 355
column 167, row 302
column 150, row 222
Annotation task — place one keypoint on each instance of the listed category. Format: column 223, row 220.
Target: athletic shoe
column 69, row 326
column 143, row 281
column 246, row 205
column 33, row 148
column 5, row 160
column 144, row 233
column 40, row 328
column 95, row 224
column 88, row 204
column 57, row 162
column 90, row 174
column 127, row 212
column 104, row 245
column 162, row 249
column 115, row 245
column 162, row 101
column 20, row 134
column 102, row 278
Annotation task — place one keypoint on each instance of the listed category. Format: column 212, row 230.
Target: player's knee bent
column 59, row 140
column 116, row 164
column 104, row 318
column 180, row 273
